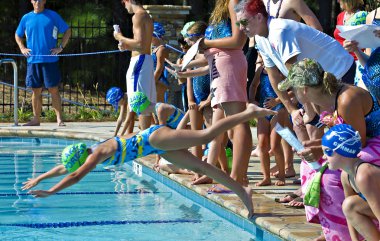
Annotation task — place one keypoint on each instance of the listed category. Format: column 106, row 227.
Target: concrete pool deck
column 287, row 223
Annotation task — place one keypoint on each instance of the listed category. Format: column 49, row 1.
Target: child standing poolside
column 79, row 160
column 159, row 54
column 267, row 136
column 116, row 98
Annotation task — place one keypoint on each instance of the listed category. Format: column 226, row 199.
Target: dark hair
column 181, row 40
column 199, row 27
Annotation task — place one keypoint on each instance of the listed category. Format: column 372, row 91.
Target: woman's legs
column 241, row 137
column 360, row 216
column 185, row 159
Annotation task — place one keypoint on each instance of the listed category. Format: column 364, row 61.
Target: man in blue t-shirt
column 41, row 28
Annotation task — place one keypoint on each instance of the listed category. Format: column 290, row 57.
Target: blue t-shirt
column 41, row 30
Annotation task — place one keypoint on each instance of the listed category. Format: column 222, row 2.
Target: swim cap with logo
column 73, row 156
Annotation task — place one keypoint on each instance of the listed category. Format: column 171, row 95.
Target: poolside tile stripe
column 82, row 193
column 96, row 223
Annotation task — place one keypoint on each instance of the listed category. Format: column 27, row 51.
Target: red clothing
column 339, row 21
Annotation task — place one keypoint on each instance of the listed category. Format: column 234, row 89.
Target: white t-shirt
column 288, row 38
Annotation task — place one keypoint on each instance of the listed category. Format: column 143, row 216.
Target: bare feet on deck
column 289, row 172
column 202, row 180
column 33, row 122
column 264, row 182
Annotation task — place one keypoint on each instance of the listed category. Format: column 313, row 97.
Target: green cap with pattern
column 138, row 102
column 306, row 72
column 73, row 156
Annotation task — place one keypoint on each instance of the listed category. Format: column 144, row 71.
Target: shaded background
column 91, row 23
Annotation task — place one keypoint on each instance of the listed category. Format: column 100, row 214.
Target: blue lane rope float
column 82, row 193
column 96, row 223
column 65, row 55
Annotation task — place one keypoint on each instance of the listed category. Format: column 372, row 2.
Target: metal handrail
column 15, row 87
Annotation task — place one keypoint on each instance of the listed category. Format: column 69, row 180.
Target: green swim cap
column 138, row 102
column 74, row 156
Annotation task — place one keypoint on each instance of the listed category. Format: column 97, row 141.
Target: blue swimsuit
column 164, row 76
column 174, row 119
column 372, row 118
column 266, row 91
column 201, row 88
column 221, row 30
column 135, row 147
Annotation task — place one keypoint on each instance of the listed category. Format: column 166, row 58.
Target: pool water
column 105, row 205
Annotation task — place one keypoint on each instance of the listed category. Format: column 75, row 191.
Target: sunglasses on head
column 242, row 22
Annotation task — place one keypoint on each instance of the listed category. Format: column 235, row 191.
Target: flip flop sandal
column 298, row 199
column 291, row 195
column 217, row 189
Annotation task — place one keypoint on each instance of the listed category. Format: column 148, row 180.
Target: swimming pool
column 106, row 204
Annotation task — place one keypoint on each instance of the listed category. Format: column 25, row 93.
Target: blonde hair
column 330, row 84
column 220, row 12
column 198, row 27
column 353, row 4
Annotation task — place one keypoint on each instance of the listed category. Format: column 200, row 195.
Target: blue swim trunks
column 43, row 74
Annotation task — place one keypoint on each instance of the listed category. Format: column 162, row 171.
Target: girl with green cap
column 170, row 144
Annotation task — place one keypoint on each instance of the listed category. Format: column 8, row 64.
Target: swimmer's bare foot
column 257, row 112
column 202, row 180
column 280, row 182
column 256, row 152
column 289, row 172
column 195, row 176
column 274, row 171
column 247, row 200
column 33, row 122
column 264, row 182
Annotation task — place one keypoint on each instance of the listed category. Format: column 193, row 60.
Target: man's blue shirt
column 41, row 30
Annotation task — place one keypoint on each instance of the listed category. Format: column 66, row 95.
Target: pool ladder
column 15, row 87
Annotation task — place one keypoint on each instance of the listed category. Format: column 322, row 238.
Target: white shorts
column 140, row 77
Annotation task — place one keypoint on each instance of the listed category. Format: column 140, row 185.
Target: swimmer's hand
column 176, row 67
column 40, row 193
column 30, row 183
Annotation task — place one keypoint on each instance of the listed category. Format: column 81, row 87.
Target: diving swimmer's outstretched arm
column 55, row 172
column 101, row 153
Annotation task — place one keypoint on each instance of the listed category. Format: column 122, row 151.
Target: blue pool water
column 105, row 205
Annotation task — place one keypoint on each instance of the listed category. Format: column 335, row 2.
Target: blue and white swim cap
column 344, row 140
column 114, row 95
column 158, row 30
